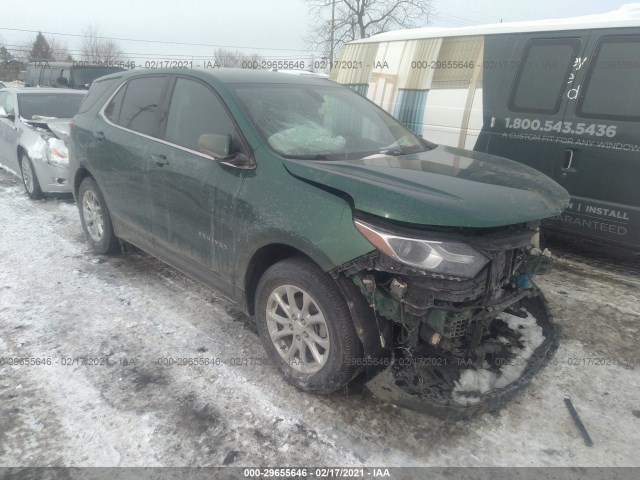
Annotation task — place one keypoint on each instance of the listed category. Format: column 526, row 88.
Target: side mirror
column 216, row 146
column 219, row 146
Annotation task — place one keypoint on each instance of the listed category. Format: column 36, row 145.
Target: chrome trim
column 159, row 140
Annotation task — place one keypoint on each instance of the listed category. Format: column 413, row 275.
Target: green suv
column 356, row 244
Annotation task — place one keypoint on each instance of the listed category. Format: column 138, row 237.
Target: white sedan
column 34, row 124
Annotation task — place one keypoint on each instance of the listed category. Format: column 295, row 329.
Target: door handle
column 98, row 135
column 161, row 160
column 568, row 160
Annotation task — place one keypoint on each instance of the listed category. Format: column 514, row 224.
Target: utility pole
column 333, row 21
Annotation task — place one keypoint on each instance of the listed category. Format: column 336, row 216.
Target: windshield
column 324, row 122
column 82, row 77
column 59, row 105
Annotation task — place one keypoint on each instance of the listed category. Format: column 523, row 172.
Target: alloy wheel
column 298, row 329
column 92, row 213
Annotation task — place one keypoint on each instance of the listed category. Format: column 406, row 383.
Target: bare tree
column 355, row 19
column 59, row 49
column 236, row 59
column 96, row 48
column 21, row 51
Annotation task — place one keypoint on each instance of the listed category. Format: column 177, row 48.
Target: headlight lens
column 448, row 258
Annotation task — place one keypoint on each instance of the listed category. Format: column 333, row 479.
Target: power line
column 25, row 49
column 155, row 41
column 478, row 12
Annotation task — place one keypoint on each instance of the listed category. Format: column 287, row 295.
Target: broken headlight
column 452, row 258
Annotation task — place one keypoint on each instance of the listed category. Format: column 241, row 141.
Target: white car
column 34, row 124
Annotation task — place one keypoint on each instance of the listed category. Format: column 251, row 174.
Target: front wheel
column 95, row 218
column 305, row 326
column 29, row 178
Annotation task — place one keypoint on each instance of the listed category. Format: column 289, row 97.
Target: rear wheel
column 95, row 218
column 305, row 326
column 29, row 178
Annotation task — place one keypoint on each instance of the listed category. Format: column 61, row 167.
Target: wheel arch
column 262, row 259
column 80, row 175
column 369, row 329
column 20, row 150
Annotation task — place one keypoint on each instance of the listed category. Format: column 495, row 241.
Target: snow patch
column 473, row 382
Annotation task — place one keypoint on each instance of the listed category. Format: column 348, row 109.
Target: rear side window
column 136, row 107
column 195, row 111
column 612, row 87
column 46, row 76
column 543, row 74
column 33, row 75
column 56, row 73
column 95, row 93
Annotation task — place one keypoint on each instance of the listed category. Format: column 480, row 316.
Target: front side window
column 195, row 111
column 612, row 87
column 6, row 102
column 323, row 122
column 136, row 105
column 543, row 74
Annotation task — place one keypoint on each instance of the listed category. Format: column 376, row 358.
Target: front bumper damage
column 48, row 151
column 448, row 346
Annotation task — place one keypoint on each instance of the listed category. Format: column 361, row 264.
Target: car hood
column 444, row 186
column 58, row 126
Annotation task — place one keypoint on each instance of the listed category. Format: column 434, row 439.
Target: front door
column 193, row 196
column 8, row 133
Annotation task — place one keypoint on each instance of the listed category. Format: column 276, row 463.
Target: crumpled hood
column 58, row 126
column 442, row 187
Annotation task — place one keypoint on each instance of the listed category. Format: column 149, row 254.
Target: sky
column 275, row 29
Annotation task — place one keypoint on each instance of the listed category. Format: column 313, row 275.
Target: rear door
column 193, row 196
column 601, row 169
column 118, row 156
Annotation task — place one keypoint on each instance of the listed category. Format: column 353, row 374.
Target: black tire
column 344, row 348
column 29, row 178
column 105, row 241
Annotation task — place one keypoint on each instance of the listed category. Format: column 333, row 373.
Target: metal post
column 333, row 20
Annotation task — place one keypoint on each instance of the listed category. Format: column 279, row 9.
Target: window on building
column 409, row 108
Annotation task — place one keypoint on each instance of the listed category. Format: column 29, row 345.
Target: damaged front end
column 47, row 145
column 459, row 314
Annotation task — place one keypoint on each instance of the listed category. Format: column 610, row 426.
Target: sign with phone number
column 594, row 129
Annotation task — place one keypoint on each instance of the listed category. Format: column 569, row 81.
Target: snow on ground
column 60, row 302
column 14, row 84
column 483, row 380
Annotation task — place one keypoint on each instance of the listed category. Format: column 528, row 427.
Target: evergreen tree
column 5, row 55
column 41, row 49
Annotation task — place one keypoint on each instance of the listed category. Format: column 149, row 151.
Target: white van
column 562, row 96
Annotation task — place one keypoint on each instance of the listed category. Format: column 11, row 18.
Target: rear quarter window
column 136, row 104
column 95, row 93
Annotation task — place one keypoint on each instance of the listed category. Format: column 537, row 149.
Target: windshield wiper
column 318, row 156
